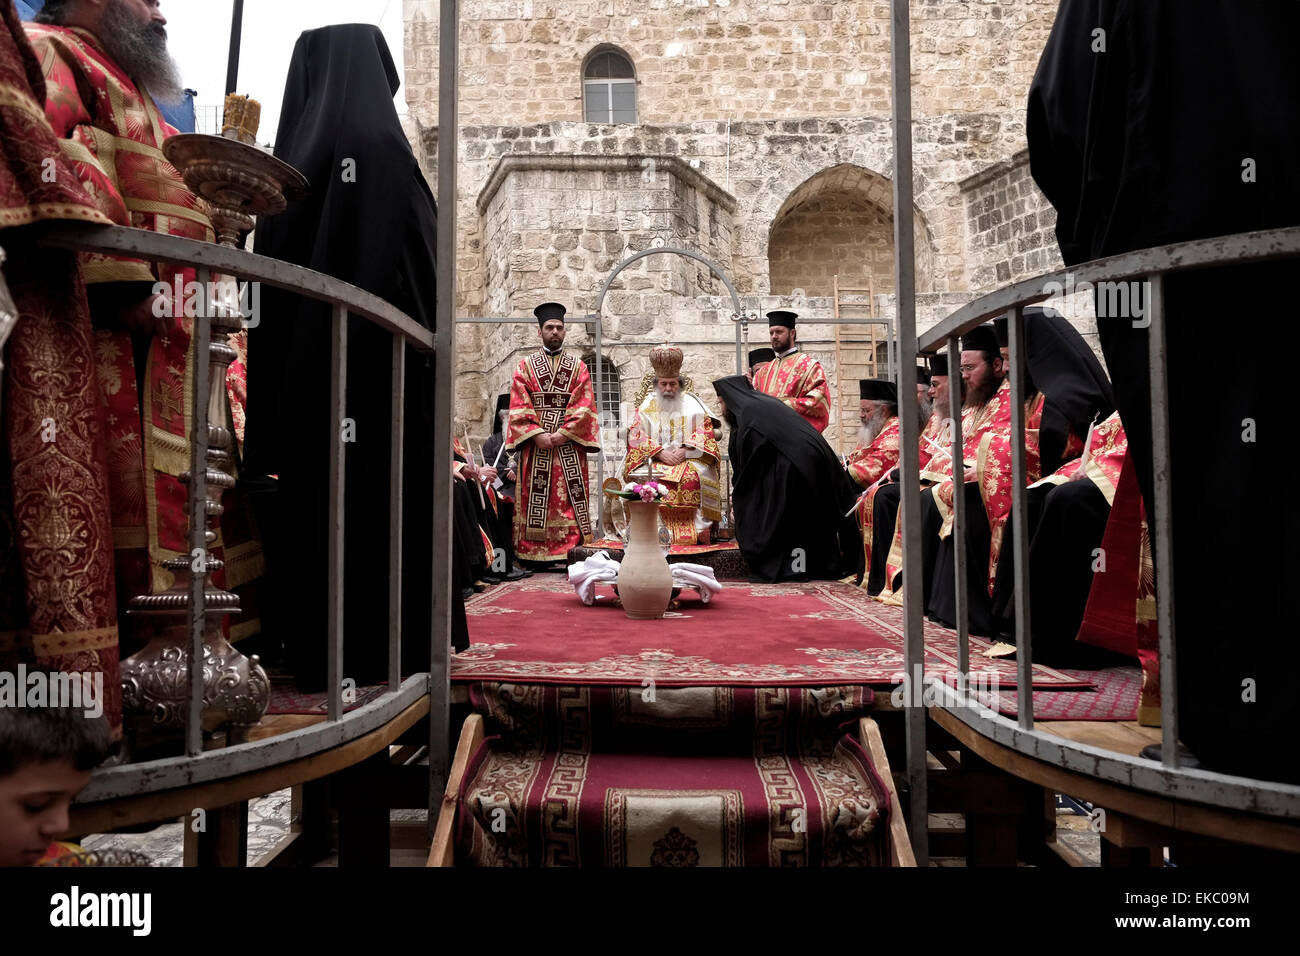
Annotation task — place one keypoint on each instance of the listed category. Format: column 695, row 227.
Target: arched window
column 609, row 401
column 609, row 88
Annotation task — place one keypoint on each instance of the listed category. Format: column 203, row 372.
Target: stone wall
column 522, row 60
column 1011, row 236
column 1010, row 225
column 782, row 106
column 831, row 236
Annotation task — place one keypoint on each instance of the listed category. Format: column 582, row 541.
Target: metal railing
column 1149, row 266
column 198, row 766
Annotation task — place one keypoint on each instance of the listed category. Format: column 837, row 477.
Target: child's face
column 34, row 804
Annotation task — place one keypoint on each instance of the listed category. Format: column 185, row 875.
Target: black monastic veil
column 790, row 491
column 370, row 220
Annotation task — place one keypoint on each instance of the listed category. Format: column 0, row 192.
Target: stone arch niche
column 840, row 221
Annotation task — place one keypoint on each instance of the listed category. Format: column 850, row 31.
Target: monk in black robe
column 1159, row 121
column 790, row 492
column 369, row 220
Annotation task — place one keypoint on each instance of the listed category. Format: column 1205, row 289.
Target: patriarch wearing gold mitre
column 672, row 431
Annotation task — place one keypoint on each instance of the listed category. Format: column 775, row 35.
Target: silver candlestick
column 239, row 182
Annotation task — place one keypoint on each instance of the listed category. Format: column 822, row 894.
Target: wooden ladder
column 856, row 357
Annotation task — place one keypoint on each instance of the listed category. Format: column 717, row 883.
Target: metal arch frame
column 594, row 318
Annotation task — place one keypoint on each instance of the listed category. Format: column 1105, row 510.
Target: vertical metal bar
column 1019, row 519
column 740, row 337
column 1162, row 526
column 905, row 286
column 595, row 495
column 198, row 494
column 959, row 518
column 232, row 58
column 396, row 467
column 338, row 411
column 445, row 350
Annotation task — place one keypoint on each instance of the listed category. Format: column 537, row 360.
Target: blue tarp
column 180, row 114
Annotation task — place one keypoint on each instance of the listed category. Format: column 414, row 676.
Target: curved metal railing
column 1148, row 266
column 197, row 765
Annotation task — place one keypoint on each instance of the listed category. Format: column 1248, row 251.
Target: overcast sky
column 198, row 36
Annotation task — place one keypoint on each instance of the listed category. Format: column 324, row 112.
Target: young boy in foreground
column 46, row 756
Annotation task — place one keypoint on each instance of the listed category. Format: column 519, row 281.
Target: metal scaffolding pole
column 905, row 286
column 443, row 412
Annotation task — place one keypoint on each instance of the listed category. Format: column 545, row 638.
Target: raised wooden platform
column 223, row 802
column 1135, row 825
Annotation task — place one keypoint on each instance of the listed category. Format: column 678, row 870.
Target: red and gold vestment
column 694, row 491
column 111, row 132
column 552, row 393
column 57, row 604
column 799, row 381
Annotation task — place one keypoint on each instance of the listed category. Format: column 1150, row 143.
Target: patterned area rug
column 1114, row 697
column 757, row 635
column 559, row 782
column 679, row 720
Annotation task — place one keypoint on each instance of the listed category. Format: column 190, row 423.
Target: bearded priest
column 552, row 425
column 793, row 376
column 673, row 432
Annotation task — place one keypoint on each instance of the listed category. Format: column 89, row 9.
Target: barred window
column 609, row 88
column 609, row 401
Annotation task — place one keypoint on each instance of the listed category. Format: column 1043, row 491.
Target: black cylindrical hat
column 878, row 390
column 782, row 317
column 939, row 364
column 982, row 338
column 759, row 356
column 547, row 311
column 922, row 375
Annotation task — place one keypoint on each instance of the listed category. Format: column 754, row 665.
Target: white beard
column 873, row 426
column 670, row 410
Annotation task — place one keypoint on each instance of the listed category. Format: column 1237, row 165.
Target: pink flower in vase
column 647, row 492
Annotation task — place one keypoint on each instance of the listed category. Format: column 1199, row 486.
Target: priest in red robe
column 793, row 376
column 58, row 610
column 875, row 457
column 105, row 66
column 553, row 424
column 877, row 454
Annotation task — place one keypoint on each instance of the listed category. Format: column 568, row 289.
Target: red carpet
column 1115, row 697
column 736, row 777
column 677, row 720
column 760, row 635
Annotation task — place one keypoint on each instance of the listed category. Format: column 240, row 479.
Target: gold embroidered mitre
column 666, row 360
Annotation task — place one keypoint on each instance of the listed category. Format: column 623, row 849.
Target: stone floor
column 268, row 822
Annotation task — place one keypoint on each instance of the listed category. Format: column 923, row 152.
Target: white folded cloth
column 600, row 568
column 698, row 577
